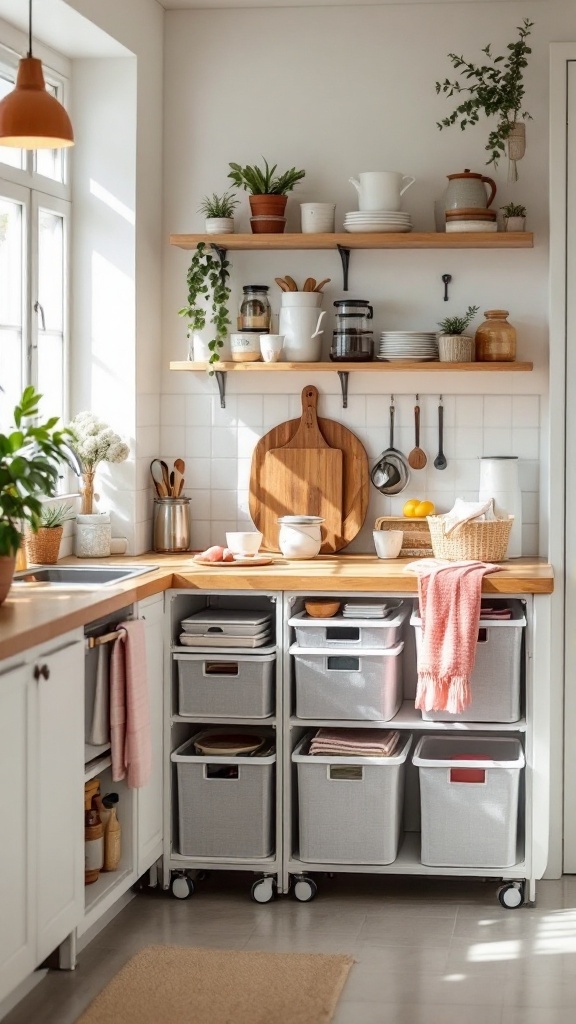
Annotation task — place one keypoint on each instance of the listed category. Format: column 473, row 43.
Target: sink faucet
column 72, row 458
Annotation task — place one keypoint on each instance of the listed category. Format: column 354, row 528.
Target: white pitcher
column 380, row 190
column 300, row 325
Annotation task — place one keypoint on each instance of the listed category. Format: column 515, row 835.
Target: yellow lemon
column 424, row 508
column 410, row 507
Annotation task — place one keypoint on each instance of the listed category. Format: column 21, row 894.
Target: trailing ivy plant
column 494, row 89
column 208, row 275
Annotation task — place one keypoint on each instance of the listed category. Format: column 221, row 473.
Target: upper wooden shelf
column 378, row 366
column 364, row 240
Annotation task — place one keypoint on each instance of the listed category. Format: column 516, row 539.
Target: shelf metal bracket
column 343, row 374
column 345, row 257
column 221, row 253
column 221, row 382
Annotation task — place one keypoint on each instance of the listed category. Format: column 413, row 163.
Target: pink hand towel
column 129, row 707
column 450, row 597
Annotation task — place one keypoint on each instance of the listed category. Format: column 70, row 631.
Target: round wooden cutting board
column 355, row 484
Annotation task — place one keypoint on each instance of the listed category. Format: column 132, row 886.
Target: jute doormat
column 179, row 985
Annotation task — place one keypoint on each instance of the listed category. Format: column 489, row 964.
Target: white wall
column 336, row 91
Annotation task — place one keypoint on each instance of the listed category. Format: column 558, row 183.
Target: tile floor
column 428, row 951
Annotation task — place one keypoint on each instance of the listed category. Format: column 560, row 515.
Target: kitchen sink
column 85, row 576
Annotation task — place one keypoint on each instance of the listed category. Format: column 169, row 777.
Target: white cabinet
column 150, row 796
column 41, row 807
column 17, row 839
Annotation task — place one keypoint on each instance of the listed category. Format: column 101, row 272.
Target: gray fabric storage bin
column 225, row 817
column 495, row 680
column 349, row 820
column 215, row 685
column 362, row 686
column 339, row 631
column 469, row 789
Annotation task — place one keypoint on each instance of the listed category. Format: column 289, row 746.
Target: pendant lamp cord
column 29, row 28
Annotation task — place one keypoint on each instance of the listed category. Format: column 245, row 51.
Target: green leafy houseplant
column 218, row 206
column 458, row 324
column 263, row 182
column 208, row 276
column 495, row 89
column 513, row 210
column 30, row 456
column 53, row 516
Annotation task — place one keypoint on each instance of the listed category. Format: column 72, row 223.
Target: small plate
column 256, row 560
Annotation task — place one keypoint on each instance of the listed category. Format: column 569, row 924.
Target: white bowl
column 471, row 225
column 388, row 543
column 244, row 544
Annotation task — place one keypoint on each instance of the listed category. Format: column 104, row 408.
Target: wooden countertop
column 34, row 614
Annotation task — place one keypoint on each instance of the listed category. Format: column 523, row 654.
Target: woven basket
column 484, row 541
column 42, row 548
column 416, row 540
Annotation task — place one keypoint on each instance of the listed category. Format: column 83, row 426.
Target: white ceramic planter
column 219, row 225
column 455, row 348
column 514, row 223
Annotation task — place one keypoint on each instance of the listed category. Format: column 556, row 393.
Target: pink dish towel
column 450, row 597
column 129, row 707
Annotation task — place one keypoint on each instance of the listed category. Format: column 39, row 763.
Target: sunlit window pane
column 51, row 373
column 11, row 377
column 11, row 254
column 51, row 269
column 9, row 155
column 50, row 162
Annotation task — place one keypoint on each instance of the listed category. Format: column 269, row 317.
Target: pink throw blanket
column 450, row 597
column 129, row 707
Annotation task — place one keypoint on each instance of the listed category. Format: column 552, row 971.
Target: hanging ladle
column 390, row 474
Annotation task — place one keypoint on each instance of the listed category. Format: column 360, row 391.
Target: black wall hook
column 446, row 278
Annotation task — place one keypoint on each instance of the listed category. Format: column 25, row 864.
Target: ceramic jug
column 380, row 190
column 300, row 322
column 467, row 191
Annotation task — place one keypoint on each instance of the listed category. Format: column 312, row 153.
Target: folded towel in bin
column 355, row 742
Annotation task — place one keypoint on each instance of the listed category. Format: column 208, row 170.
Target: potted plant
column 514, row 216
column 268, row 194
column 42, row 547
column 30, row 456
column 495, row 89
column 453, row 345
column 219, row 213
column 207, row 279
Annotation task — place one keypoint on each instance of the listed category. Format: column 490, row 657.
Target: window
column 34, row 269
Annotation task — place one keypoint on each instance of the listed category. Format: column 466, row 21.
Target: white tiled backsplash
column 217, row 445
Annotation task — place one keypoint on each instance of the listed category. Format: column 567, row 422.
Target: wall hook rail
column 345, row 257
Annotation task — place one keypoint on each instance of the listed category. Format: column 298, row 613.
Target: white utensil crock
column 300, row 324
column 380, row 190
column 499, row 480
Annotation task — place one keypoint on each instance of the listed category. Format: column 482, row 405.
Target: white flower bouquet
column 95, row 442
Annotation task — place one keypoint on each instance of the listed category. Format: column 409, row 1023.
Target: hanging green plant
column 495, row 89
column 208, row 275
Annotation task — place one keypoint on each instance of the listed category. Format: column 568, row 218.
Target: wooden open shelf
column 369, row 367
column 364, row 240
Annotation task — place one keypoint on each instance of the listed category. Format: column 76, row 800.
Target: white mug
column 245, row 346
column 271, row 347
column 388, row 543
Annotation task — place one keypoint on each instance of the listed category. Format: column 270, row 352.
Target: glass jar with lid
column 353, row 338
column 255, row 311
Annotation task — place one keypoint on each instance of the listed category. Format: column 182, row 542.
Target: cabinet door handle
column 41, row 672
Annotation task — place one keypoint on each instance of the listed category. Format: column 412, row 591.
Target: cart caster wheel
column 511, row 895
column 182, row 887
column 201, row 876
column 305, row 890
column 263, row 890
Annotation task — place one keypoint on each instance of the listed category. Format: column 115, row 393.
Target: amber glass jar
column 496, row 338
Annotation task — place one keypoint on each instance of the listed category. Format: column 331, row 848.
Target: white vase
column 499, row 480
column 93, row 535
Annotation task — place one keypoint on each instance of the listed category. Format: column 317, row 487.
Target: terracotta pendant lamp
column 30, row 118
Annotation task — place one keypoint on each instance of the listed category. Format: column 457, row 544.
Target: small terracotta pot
column 271, row 206
column 7, row 563
column 43, row 547
column 267, row 225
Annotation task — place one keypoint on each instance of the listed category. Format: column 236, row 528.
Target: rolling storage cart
column 223, row 811
column 515, row 725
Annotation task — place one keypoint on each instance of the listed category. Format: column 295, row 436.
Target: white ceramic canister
column 300, row 536
column 499, row 480
column 93, row 535
column 317, row 218
column 245, row 346
column 299, row 322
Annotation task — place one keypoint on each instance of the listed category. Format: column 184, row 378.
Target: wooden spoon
column 417, row 458
column 310, row 284
column 291, row 283
column 282, row 284
column 320, row 286
column 158, row 478
column 179, row 469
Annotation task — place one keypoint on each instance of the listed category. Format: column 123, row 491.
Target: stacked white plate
column 377, row 220
column 418, row 346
